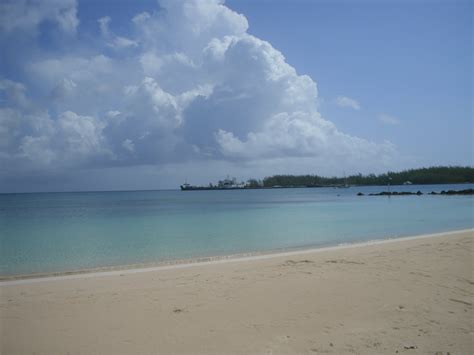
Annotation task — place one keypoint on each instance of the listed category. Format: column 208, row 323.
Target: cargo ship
column 226, row 184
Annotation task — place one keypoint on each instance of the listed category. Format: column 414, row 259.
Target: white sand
column 371, row 298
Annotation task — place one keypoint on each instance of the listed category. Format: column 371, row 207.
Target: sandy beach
column 410, row 296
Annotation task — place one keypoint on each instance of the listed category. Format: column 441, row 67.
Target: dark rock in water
column 383, row 193
column 419, row 193
column 396, row 193
column 460, row 192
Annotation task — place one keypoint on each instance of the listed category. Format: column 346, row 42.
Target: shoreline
column 121, row 270
column 405, row 295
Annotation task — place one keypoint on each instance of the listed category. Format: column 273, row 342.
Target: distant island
column 422, row 176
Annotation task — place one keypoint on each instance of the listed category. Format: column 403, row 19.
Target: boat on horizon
column 226, row 184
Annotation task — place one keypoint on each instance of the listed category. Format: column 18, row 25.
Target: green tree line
column 431, row 175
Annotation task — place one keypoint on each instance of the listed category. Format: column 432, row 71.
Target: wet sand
column 409, row 296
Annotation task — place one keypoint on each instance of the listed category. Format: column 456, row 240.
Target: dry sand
column 410, row 296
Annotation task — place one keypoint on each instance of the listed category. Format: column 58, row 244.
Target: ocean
column 59, row 232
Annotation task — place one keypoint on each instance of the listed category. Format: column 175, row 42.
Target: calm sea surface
column 49, row 232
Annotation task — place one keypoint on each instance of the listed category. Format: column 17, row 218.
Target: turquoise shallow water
column 50, row 232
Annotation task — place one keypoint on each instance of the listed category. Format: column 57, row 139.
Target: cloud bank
column 187, row 84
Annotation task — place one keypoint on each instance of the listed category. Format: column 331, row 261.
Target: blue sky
column 108, row 95
column 408, row 59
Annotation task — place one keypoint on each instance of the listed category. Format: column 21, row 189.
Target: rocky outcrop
column 419, row 193
column 454, row 192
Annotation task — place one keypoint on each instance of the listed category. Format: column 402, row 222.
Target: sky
column 125, row 95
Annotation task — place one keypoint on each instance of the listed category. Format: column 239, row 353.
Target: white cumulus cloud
column 193, row 86
column 27, row 15
column 344, row 101
column 113, row 40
